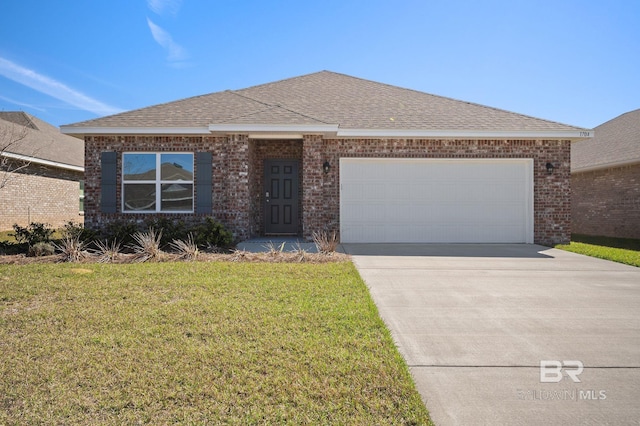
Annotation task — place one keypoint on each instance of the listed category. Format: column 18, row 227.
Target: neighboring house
column 327, row 151
column 42, row 174
column 605, row 180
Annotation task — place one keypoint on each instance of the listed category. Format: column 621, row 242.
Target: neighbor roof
column 31, row 139
column 330, row 103
column 616, row 143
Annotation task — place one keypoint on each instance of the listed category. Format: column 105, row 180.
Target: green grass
column 195, row 343
column 606, row 248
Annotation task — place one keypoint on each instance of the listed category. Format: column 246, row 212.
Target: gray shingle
column 42, row 140
column 328, row 98
column 616, row 141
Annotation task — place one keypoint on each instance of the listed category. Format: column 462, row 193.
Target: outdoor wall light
column 550, row 168
column 326, row 167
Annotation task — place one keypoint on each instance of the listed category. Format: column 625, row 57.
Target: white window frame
column 158, row 182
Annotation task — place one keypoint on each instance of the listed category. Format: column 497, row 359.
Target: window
column 81, row 196
column 157, row 182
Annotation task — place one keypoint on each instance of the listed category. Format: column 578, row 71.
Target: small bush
column 120, row 230
column 41, row 249
column 32, row 234
column 212, row 233
column 73, row 230
column 107, row 252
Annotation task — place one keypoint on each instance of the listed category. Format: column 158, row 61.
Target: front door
column 281, row 197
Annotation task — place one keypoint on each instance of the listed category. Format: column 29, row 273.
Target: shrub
column 41, row 249
column 120, row 230
column 212, row 233
column 171, row 229
column 32, row 234
column 73, row 230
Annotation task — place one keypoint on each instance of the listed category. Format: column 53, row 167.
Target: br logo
column 551, row 370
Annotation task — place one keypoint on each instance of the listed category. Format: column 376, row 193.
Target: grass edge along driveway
column 165, row 343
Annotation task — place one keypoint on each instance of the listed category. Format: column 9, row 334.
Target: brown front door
column 281, row 197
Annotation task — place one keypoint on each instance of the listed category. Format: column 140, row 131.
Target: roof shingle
column 328, row 98
column 615, row 142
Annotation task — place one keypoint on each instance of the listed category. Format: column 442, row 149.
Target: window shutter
column 109, row 177
column 204, row 172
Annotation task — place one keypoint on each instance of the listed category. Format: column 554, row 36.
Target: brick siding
column 238, row 174
column 607, row 202
column 40, row 194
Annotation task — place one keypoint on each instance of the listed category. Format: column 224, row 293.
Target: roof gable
column 350, row 104
column 616, row 142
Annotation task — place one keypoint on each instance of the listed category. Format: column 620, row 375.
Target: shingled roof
column 331, row 103
column 616, row 143
column 40, row 142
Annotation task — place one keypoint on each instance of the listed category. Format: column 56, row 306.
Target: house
column 605, row 180
column 327, row 151
column 41, row 173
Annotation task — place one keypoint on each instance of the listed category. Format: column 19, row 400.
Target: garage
column 411, row 200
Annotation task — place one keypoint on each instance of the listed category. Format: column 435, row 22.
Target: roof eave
column 41, row 161
column 573, row 135
column 271, row 131
column 611, row 165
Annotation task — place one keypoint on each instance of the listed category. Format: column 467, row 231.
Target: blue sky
column 576, row 62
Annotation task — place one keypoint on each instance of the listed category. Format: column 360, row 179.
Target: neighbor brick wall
column 40, row 194
column 607, row 202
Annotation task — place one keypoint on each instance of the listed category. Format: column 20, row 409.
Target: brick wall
column 552, row 204
column 40, row 194
column 607, row 202
column 238, row 174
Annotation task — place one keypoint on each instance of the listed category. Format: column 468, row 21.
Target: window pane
column 139, row 166
column 139, row 197
column 177, row 197
column 176, row 167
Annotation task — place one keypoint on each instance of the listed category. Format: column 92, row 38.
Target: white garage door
column 436, row 200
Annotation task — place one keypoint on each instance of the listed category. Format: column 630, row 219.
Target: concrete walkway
column 474, row 323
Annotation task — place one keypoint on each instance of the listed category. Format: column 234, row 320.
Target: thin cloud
column 175, row 52
column 160, row 6
column 53, row 88
column 22, row 104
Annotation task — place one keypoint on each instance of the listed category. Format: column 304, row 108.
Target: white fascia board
column 281, row 129
column 68, row 130
column 604, row 166
column 56, row 164
column 464, row 134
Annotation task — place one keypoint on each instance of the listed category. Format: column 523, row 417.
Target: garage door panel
column 436, row 200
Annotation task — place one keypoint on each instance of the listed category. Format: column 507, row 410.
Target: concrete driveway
column 474, row 323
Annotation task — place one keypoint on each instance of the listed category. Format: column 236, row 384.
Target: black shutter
column 204, row 172
column 109, row 176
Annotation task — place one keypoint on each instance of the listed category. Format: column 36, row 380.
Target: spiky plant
column 72, row 249
column 187, row 250
column 326, row 242
column 107, row 252
column 146, row 245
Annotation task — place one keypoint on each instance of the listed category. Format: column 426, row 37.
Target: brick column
column 312, row 185
column 237, row 208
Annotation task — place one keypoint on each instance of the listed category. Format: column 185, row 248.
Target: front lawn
column 197, row 343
